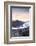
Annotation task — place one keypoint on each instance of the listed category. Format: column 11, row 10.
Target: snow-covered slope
column 25, row 25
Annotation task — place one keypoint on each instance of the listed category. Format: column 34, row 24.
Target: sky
column 21, row 14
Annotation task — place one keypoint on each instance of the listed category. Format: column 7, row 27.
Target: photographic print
column 20, row 22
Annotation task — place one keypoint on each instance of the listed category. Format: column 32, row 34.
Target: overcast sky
column 21, row 14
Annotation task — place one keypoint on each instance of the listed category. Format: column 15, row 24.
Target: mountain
column 17, row 23
column 20, row 24
column 20, row 28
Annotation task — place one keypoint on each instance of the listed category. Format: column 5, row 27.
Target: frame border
column 6, row 41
